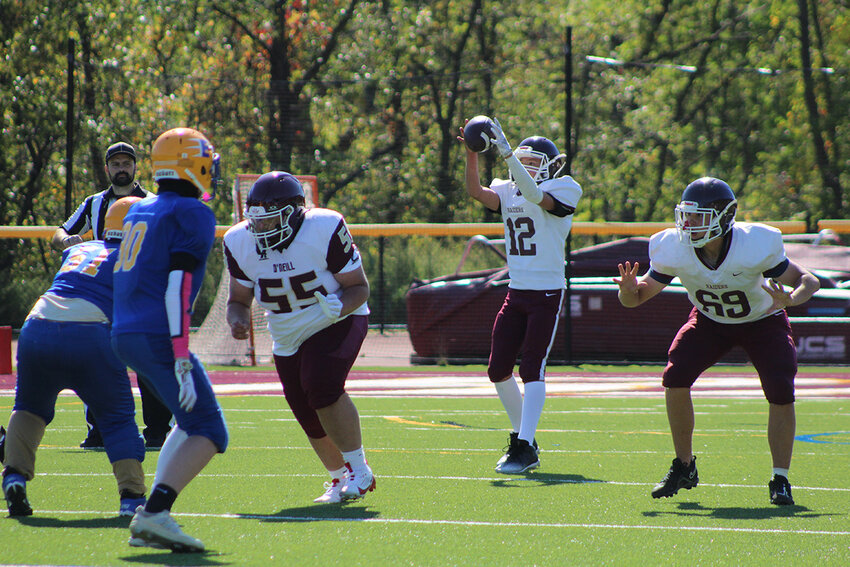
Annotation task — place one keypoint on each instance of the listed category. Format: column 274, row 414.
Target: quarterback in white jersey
column 303, row 268
column 535, row 237
column 735, row 275
column 537, row 207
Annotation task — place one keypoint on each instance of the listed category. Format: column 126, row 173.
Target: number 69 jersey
column 534, row 237
column 732, row 292
column 284, row 280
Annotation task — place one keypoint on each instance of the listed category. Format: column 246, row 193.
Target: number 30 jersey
column 732, row 292
column 534, row 237
column 284, row 281
column 155, row 230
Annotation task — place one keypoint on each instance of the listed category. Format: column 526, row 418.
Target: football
column 477, row 133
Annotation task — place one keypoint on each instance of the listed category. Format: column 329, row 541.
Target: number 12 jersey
column 534, row 237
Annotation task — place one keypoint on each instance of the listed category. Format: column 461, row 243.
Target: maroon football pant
column 314, row 377
column 525, row 326
column 701, row 342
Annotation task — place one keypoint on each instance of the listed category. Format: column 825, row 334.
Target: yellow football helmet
column 184, row 153
column 113, row 223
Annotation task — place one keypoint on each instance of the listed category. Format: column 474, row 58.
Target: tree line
column 369, row 96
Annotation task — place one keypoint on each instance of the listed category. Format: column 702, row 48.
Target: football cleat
column 357, row 484
column 92, row 441
column 2, row 444
column 521, row 457
column 139, row 542
column 513, row 439
column 679, row 476
column 780, row 491
column 332, row 490
column 130, row 501
column 15, row 491
column 160, row 529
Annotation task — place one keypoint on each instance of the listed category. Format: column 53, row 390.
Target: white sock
column 511, row 398
column 338, row 473
column 356, row 459
column 169, row 450
column 783, row 472
column 532, row 409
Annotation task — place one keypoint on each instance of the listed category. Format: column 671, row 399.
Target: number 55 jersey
column 284, row 280
column 731, row 292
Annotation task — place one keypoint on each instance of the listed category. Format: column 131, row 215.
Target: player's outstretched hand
column 183, row 372
column 330, row 304
column 781, row 298
column 499, row 140
column 628, row 281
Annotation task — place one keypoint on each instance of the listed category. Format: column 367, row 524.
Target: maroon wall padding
column 450, row 319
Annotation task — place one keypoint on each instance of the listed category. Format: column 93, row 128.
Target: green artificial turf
column 438, row 501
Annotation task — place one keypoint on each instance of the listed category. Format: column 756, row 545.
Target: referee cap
column 120, row 148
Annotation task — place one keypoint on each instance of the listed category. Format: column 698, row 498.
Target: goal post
column 212, row 343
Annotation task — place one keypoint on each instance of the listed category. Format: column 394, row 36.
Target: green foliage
column 369, row 97
column 413, row 257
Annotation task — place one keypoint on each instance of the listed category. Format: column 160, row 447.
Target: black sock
column 11, row 470
column 162, row 498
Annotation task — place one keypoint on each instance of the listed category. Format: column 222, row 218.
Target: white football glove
column 183, row 372
column 499, row 140
column 330, row 304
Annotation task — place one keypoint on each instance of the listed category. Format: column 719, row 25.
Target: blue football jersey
column 86, row 273
column 154, row 231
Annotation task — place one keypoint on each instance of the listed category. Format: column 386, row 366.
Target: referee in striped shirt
column 121, row 170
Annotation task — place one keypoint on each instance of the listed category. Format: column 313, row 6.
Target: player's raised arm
column 475, row 137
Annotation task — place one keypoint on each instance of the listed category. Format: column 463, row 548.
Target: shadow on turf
column 170, row 558
column 95, row 523
column 543, row 479
column 695, row 509
column 318, row 513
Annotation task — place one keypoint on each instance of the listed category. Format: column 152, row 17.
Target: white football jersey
column 284, row 282
column 732, row 292
column 534, row 237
